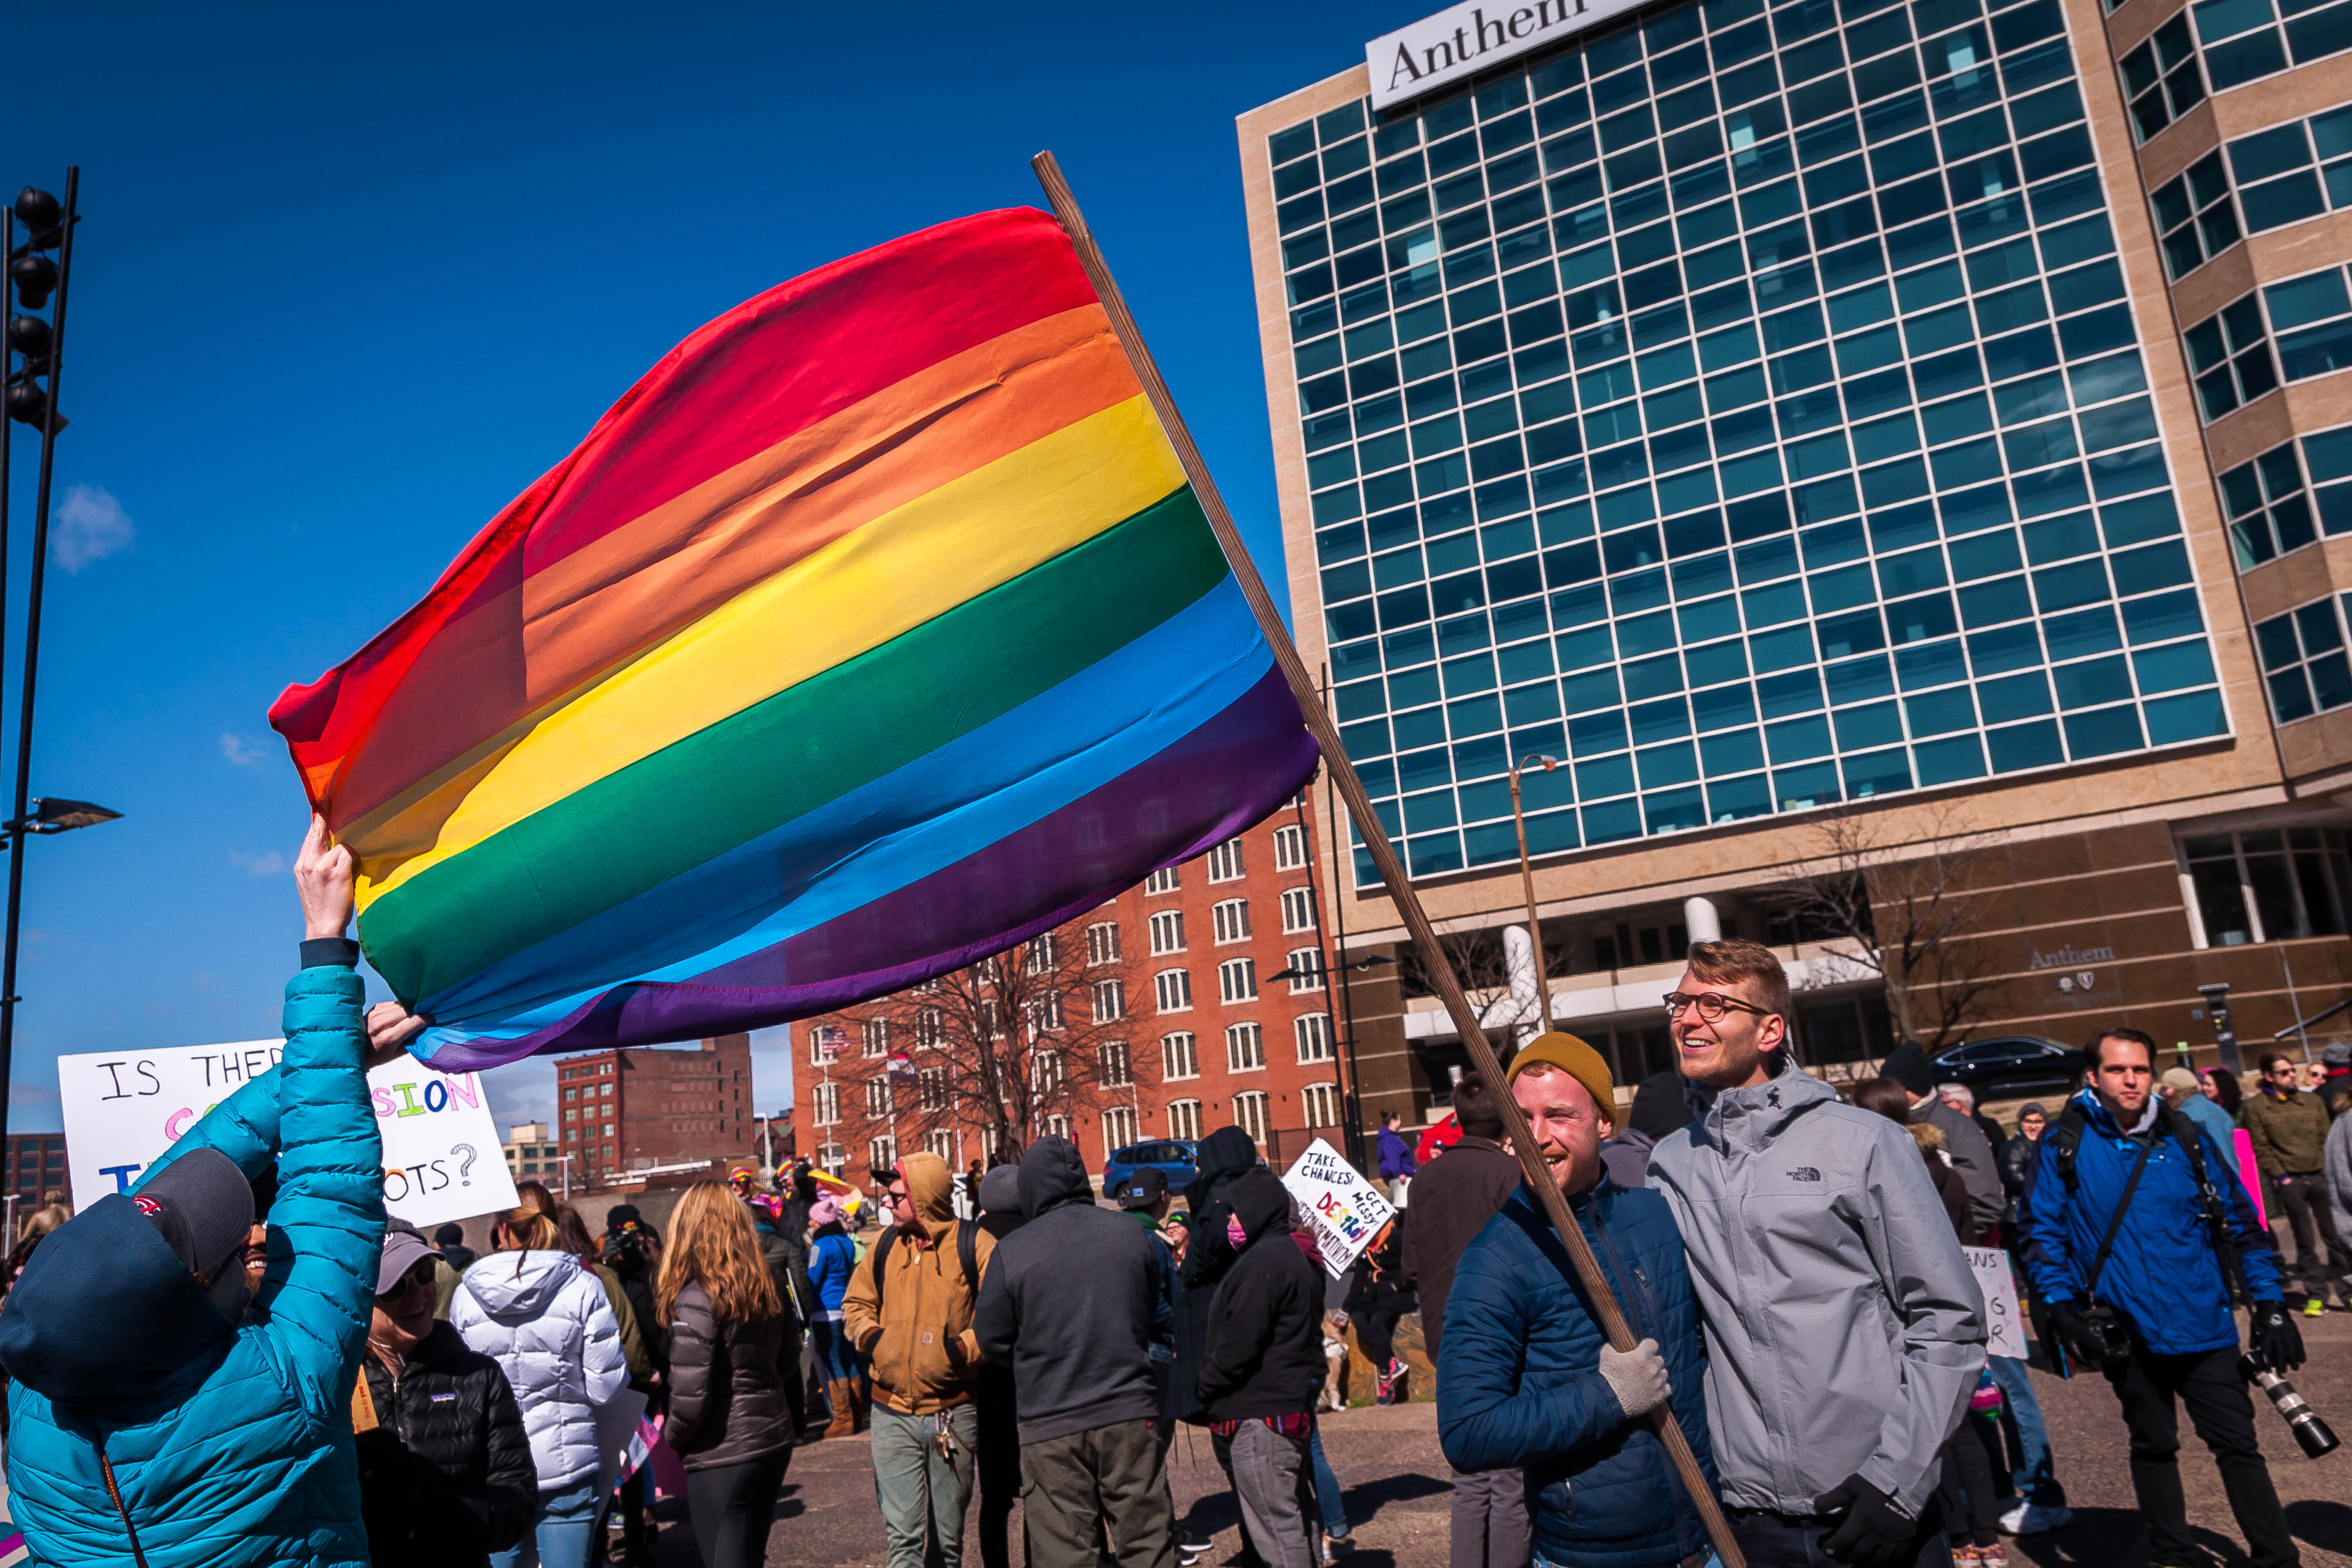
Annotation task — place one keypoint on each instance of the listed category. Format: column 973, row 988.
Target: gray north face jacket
column 1844, row 1330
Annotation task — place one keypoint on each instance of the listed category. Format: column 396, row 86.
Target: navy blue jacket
column 1520, row 1386
column 2162, row 1273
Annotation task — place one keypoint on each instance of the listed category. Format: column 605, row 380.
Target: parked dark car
column 2014, row 1067
column 1175, row 1156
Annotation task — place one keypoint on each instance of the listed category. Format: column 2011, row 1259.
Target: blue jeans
column 1327, row 1488
column 829, row 1341
column 564, row 1527
column 2035, row 1479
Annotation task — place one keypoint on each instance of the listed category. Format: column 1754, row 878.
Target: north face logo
column 1804, row 1173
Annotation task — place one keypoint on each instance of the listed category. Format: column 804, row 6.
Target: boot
column 845, row 1408
column 861, row 1394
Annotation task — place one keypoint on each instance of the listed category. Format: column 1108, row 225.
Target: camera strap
column 2116, row 1224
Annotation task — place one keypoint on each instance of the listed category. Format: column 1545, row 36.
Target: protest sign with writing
column 442, row 1159
column 1347, row 1211
column 2005, row 1330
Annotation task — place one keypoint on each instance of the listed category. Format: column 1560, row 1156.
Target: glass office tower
column 1922, row 424
column 1743, row 406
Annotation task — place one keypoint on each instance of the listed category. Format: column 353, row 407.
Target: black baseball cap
column 1143, row 1188
column 203, row 1206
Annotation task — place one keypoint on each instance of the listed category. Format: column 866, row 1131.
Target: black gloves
column 2081, row 1343
column 2272, row 1340
column 1877, row 1530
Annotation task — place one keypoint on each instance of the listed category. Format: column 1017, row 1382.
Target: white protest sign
column 2004, row 1333
column 1347, row 1210
column 442, row 1157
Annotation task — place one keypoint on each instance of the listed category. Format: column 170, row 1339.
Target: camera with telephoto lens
column 2314, row 1436
column 2114, row 1337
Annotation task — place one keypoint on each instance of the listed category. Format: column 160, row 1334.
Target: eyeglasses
column 1712, row 1006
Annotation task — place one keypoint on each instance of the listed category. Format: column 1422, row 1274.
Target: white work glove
column 1637, row 1377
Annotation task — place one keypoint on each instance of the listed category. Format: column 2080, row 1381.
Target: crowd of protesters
column 241, row 1360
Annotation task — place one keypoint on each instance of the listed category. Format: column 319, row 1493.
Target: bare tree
column 1000, row 1052
column 1912, row 912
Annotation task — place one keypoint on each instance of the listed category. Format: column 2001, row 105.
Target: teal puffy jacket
column 230, row 1446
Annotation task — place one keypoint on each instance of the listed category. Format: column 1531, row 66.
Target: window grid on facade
column 1289, row 848
column 2231, row 358
column 1163, row 880
column 1244, row 1047
column 1167, row 931
column 2304, row 663
column 2271, row 885
column 1225, row 861
column 941, row 1143
column 874, row 1036
column 931, row 1027
column 827, row 1106
column 1238, row 979
column 2161, row 77
column 1306, row 966
column 1319, row 1104
column 1184, row 1119
column 1112, row 1064
column 877, row 1096
column 1231, row 918
column 2277, row 502
column 1110, row 1000
column 2194, row 216
column 1180, row 1055
column 1047, row 1071
column 1298, row 910
column 1043, row 1016
column 1313, row 1034
column 1249, row 1113
column 1172, row 990
column 1041, row 953
column 931, row 1088
column 2242, row 40
column 882, row 1154
column 1117, row 1128
column 1102, row 942
column 1862, row 350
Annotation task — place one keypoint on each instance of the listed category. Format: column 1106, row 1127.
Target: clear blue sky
column 349, row 279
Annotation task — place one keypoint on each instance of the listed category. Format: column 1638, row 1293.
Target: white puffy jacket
column 544, row 1319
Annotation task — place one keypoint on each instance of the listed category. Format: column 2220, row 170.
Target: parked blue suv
column 1175, row 1156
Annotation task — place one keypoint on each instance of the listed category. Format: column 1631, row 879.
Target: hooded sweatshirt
column 1074, row 1303
column 1264, row 1351
column 1845, row 1328
column 545, row 1319
column 915, row 1330
column 230, row 1446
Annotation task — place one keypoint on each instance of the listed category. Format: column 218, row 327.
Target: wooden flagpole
column 1360, row 806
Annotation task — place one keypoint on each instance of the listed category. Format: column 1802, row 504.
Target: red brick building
column 1213, row 974
column 624, row 1112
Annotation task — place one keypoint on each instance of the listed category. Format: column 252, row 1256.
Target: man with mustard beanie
column 1525, row 1379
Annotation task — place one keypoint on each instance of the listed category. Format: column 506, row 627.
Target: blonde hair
column 711, row 1244
column 529, row 1225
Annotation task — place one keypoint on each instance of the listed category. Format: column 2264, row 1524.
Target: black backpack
column 967, row 1258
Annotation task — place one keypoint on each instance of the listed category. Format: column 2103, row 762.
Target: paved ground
column 1389, row 1465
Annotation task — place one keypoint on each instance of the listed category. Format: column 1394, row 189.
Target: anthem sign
column 1463, row 40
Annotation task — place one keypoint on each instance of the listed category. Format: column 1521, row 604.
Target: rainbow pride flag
column 874, row 631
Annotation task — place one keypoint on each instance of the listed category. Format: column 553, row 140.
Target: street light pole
column 1527, row 887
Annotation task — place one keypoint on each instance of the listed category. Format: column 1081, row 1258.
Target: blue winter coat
column 229, row 1446
column 1520, row 1386
column 2162, row 1273
column 831, row 1260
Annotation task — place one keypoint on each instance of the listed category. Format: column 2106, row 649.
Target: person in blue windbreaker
column 151, row 1422
column 1526, row 1380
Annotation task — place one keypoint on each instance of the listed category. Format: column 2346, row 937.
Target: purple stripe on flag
column 1235, row 770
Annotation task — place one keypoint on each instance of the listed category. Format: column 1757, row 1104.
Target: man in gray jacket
column 1844, row 1329
column 1970, row 1151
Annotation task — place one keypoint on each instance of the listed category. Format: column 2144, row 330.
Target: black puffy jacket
column 726, row 1387
column 1263, row 1352
column 445, row 1476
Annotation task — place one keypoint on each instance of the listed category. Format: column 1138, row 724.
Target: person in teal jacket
column 149, row 1424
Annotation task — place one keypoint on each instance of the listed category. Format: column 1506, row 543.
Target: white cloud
column 267, row 865
column 89, row 527
column 239, row 752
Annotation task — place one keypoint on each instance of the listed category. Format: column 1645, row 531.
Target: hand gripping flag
column 875, row 630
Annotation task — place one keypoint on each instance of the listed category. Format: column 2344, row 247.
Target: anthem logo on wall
column 1463, row 40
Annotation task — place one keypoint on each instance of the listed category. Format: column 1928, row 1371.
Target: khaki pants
column 1113, row 1479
